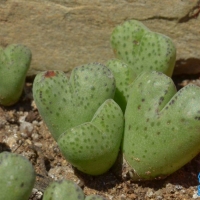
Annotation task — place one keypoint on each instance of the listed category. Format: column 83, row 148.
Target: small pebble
column 81, row 183
column 159, row 198
column 36, row 194
column 56, row 150
column 35, row 123
column 24, row 135
column 178, row 187
column 195, row 196
column 38, row 144
column 123, row 197
column 149, row 193
column 35, row 136
column 26, row 127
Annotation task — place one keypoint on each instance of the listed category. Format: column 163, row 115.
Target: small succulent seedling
column 142, row 49
column 69, row 190
column 14, row 64
column 95, row 197
column 92, row 147
column 62, row 190
column 81, row 111
column 161, row 126
column 65, row 103
column 17, row 177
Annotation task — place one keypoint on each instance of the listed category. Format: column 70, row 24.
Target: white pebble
column 35, row 136
column 26, row 127
column 38, row 144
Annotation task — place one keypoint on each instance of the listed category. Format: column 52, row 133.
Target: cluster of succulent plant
column 160, row 130
column 14, row 64
column 161, row 126
column 69, row 190
column 128, row 104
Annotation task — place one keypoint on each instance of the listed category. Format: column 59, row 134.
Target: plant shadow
column 185, row 177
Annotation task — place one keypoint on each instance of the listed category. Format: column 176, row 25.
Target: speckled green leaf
column 142, row 49
column 14, row 64
column 161, row 127
column 65, row 103
column 17, row 177
column 62, row 190
column 124, row 76
column 93, row 147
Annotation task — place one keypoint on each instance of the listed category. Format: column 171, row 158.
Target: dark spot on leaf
column 22, row 185
column 197, row 118
column 171, row 102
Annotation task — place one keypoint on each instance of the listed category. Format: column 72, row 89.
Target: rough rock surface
column 63, row 34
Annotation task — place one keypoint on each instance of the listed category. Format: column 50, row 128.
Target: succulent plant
column 92, row 147
column 81, row 115
column 161, row 126
column 65, row 103
column 14, row 64
column 62, row 190
column 142, row 49
column 137, row 49
column 17, row 177
column 94, row 197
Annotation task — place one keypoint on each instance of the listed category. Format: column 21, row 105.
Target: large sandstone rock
column 63, row 34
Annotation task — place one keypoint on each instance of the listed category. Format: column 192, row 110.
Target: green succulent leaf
column 93, row 146
column 161, row 127
column 124, row 76
column 65, row 103
column 142, row 49
column 17, row 177
column 14, row 63
column 64, row 189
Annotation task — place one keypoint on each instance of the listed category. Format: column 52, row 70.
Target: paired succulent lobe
column 161, row 127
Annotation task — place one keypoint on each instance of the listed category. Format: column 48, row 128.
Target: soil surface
column 22, row 131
